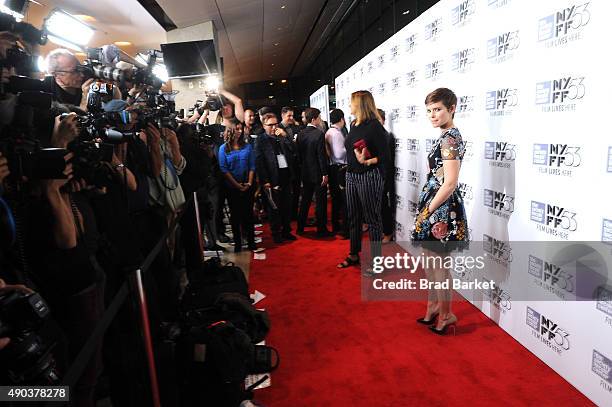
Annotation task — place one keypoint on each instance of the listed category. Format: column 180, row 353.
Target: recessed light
column 276, row 44
column 85, row 18
column 283, row 6
column 270, row 97
column 272, row 64
column 123, row 43
column 271, row 83
column 279, row 28
column 406, row 12
column 284, row 81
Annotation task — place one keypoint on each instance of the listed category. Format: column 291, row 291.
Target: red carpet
column 339, row 351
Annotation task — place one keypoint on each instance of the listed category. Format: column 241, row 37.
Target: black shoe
column 277, row 239
column 223, row 238
column 430, row 321
column 289, row 236
column 217, row 248
column 324, row 233
column 252, row 247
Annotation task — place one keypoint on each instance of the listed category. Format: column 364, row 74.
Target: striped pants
column 364, row 194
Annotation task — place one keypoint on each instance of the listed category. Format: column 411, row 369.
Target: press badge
column 282, row 161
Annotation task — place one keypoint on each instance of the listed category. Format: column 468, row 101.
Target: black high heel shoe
column 447, row 325
column 429, row 321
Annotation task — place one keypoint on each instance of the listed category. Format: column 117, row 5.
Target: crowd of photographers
column 95, row 169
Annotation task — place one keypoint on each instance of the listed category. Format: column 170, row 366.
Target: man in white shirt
column 334, row 143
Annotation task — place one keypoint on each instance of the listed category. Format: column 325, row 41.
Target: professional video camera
column 27, row 358
column 159, row 109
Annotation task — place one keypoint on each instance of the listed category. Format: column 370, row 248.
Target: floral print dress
column 447, row 225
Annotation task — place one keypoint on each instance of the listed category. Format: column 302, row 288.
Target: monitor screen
column 189, row 59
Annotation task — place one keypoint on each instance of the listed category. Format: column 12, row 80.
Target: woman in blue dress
column 441, row 225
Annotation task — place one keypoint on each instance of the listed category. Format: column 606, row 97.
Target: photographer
column 67, row 80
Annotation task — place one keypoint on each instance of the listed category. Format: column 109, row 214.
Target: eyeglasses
column 73, row 71
column 271, row 125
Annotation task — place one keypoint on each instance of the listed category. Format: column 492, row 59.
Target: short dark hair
column 382, row 114
column 311, row 113
column 265, row 110
column 336, row 115
column 444, row 95
column 286, row 109
column 267, row 116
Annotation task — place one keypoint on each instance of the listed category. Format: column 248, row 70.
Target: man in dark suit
column 314, row 170
column 290, row 127
column 275, row 162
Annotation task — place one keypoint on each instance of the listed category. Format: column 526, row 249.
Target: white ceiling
column 115, row 20
column 258, row 39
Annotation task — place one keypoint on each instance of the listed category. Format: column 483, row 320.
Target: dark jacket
column 291, row 130
column 311, row 153
column 266, row 161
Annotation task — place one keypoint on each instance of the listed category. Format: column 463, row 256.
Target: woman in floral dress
column 441, row 224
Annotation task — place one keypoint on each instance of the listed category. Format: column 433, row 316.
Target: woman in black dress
column 367, row 154
column 441, row 225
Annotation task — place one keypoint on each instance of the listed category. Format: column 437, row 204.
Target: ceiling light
column 279, row 28
column 212, row 83
column 284, row 81
column 271, row 83
column 272, row 64
column 276, row 44
column 66, row 30
column 85, row 18
column 406, row 12
column 42, row 64
column 123, row 43
column 283, row 6
column 270, row 97
column 161, row 72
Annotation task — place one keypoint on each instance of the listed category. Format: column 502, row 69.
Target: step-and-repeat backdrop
column 535, row 96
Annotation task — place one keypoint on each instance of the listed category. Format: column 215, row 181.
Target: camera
column 93, row 68
column 27, row 358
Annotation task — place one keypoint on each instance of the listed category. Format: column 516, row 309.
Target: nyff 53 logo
column 556, row 155
column 433, row 70
column 433, row 29
column 551, row 275
column 462, row 13
column 399, row 174
column 411, row 42
column 500, row 250
column 413, row 178
column 462, row 61
column 499, row 298
column 499, row 201
column 466, row 191
column 499, row 151
column 556, row 217
column 602, row 367
column 560, row 95
column 412, row 145
column 548, row 331
column 502, row 46
column 465, row 105
column 501, row 100
column 412, row 112
column 411, row 79
column 564, row 23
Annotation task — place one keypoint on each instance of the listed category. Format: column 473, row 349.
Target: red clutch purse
column 362, row 147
